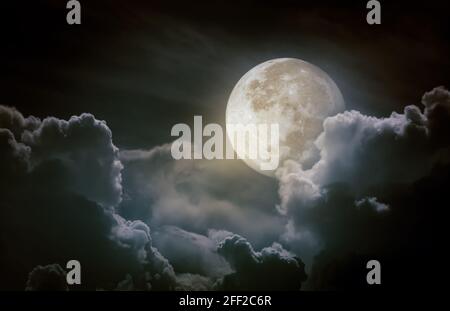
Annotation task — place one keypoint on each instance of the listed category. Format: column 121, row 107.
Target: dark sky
column 146, row 65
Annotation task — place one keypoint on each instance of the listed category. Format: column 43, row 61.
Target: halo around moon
column 292, row 93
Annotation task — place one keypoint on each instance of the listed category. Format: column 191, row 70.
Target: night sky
column 110, row 195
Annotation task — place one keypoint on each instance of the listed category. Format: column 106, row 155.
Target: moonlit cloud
column 199, row 195
column 372, row 203
column 139, row 220
column 395, row 149
column 349, row 199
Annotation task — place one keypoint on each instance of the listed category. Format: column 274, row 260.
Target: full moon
column 292, row 93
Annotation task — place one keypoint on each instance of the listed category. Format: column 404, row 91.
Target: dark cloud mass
column 273, row 268
column 59, row 181
column 49, row 277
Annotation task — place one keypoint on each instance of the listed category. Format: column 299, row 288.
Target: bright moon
column 292, row 93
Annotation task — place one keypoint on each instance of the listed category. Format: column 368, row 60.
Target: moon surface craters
column 293, row 93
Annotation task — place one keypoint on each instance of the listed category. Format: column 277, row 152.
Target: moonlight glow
column 293, row 93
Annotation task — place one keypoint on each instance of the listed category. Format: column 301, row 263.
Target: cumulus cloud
column 220, row 261
column 364, row 152
column 82, row 145
column 156, row 272
column 132, row 234
column 12, row 119
column 272, row 268
column 193, row 253
column 49, row 277
column 68, row 186
column 393, row 148
column 353, row 198
column 60, row 181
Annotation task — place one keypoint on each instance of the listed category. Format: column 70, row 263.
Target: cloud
column 190, row 252
column 82, row 145
column 393, row 148
column 199, row 195
column 221, row 261
column 12, row 119
column 49, row 277
column 272, row 268
column 14, row 157
column 373, row 204
column 156, row 272
column 60, row 182
column 68, row 193
column 194, row 282
column 366, row 152
column 132, row 234
column 437, row 112
column 357, row 196
column 126, row 284
column 68, row 185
